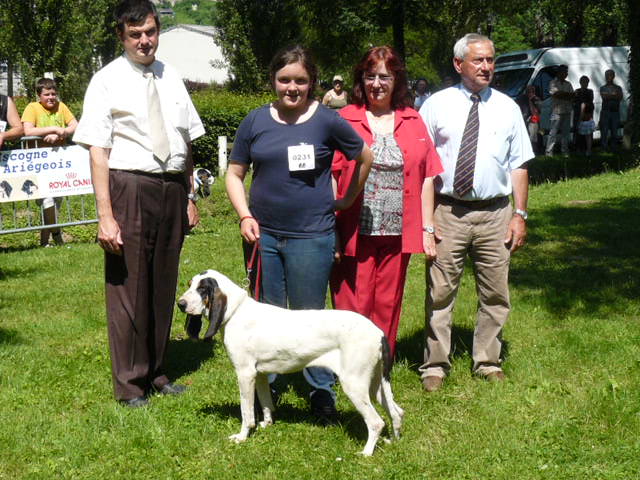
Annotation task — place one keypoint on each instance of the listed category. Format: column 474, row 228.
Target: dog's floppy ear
column 217, row 304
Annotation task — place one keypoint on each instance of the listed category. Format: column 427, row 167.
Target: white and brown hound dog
column 262, row 339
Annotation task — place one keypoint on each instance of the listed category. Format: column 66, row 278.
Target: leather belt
column 167, row 176
column 470, row 204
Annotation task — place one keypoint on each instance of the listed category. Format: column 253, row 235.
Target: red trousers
column 372, row 282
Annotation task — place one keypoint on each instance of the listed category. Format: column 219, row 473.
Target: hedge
column 221, row 113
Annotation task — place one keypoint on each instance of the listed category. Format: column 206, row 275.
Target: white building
column 191, row 50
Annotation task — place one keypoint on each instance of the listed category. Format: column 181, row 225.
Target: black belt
column 168, row 176
column 470, row 204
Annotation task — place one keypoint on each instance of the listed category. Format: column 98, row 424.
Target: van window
column 517, row 57
column 512, row 82
column 542, row 80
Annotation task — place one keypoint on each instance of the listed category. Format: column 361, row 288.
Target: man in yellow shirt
column 53, row 121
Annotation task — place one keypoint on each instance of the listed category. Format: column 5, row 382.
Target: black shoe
column 323, row 407
column 57, row 238
column 135, row 402
column 171, row 389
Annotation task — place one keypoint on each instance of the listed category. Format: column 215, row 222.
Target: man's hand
column 109, row 236
column 516, row 233
column 192, row 214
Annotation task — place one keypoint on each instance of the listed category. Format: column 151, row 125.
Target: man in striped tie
column 483, row 143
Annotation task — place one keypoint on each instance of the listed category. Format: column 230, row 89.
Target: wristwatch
column 193, row 197
column 522, row 213
column 429, row 229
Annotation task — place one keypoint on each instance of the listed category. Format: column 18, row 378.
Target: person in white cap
column 336, row 97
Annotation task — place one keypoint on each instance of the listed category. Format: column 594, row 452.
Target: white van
column 515, row 70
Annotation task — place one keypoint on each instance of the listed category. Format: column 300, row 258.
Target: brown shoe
column 497, row 376
column 432, row 383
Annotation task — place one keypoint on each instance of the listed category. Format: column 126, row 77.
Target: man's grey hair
column 461, row 48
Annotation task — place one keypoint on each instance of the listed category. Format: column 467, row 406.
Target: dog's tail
column 386, row 358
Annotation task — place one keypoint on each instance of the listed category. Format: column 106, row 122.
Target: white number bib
column 301, row 157
column 3, row 126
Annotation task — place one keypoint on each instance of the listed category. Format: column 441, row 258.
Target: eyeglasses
column 370, row 78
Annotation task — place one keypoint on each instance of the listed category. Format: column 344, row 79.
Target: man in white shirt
column 561, row 92
column 483, row 143
column 138, row 122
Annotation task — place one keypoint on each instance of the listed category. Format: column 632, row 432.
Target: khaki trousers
column 479, row 233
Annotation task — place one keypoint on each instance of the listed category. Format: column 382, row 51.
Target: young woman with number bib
column 290, row 145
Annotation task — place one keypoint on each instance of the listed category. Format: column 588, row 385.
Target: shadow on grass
column 186, row 356
column 285, row 413
column 9, row 337
column 581, row 258
column 411, row 349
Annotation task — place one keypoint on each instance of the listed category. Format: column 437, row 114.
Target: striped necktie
column 463, row 178
column 157, row 130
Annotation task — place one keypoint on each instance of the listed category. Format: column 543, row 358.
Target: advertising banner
column 44, row 172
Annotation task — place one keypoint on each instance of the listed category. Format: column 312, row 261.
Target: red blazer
column 421, row 160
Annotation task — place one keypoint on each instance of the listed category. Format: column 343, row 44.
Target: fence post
column 222, row 155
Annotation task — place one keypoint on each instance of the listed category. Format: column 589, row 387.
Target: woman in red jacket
column 393, row 217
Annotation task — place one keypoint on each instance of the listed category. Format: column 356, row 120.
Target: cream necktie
column 158, row 132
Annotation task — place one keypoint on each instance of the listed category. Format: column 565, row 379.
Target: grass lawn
column 570, row 408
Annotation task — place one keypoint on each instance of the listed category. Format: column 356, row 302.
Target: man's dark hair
column 45, row 83
column 134, row 12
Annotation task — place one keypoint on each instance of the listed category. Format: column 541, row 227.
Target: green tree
column 633, row 16
column 70, row 38
column 249, row 33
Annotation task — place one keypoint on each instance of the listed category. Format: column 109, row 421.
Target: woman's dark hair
column 294, row 54
column 395, row 66
column 134, row 12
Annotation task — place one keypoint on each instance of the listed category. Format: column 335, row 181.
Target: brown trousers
column 141, row 283
column 479, row 233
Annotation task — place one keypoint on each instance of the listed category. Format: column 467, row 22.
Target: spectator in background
column 530, row 105
column 53, row 121
column 421, row 93
column 561, row 93
column 10, row 124
column 611, row 95
column 336, row 98
column 586, row 126
column 447, row 81
column 583, row 97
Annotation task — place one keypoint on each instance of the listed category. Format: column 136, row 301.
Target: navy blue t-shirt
column 293, row 204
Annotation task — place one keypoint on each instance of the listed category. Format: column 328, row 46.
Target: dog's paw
column 237, row 438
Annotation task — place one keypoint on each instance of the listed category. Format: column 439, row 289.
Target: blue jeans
column 295, row 274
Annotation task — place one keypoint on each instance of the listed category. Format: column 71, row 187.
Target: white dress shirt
column 503, row 141
column 115, row 116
